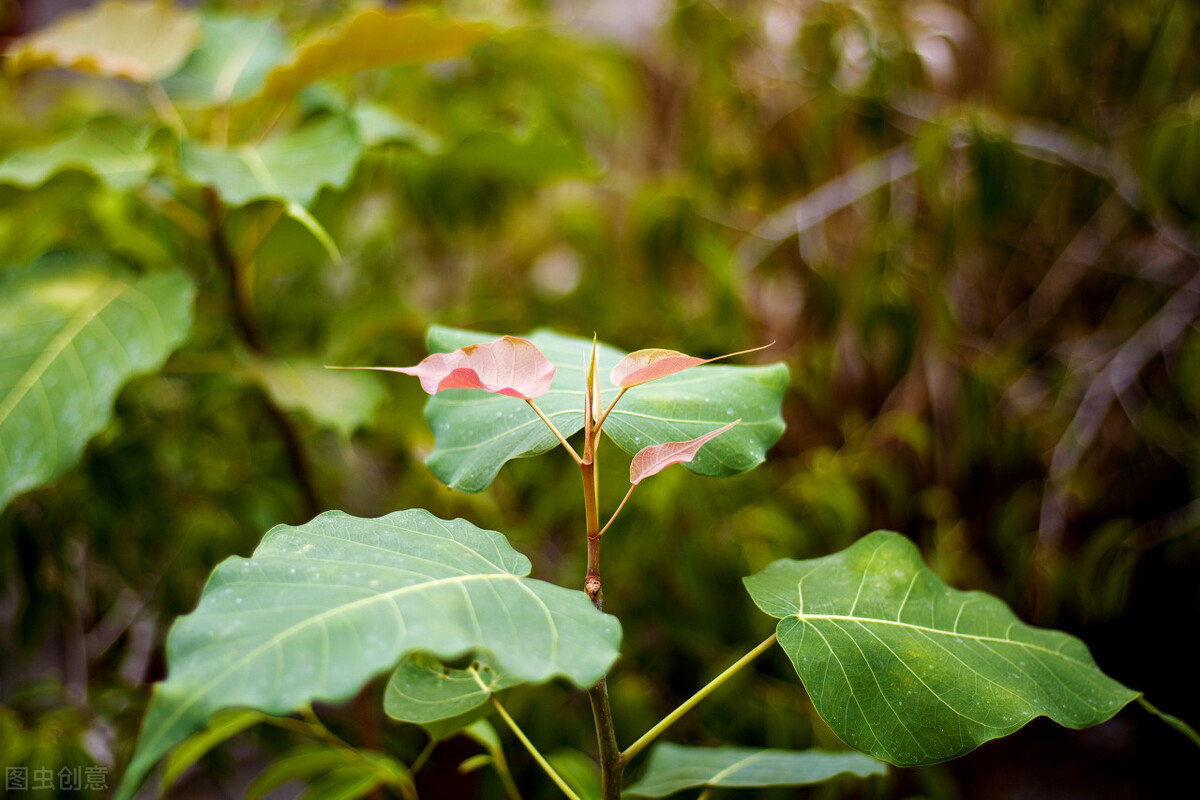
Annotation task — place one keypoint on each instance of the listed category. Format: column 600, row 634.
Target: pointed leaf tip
column 643, row 366
column 509, row 365
column 656, row 458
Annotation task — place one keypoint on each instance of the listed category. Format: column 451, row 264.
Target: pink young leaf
column 642, row 366
column 509, row 365
column 657, row 457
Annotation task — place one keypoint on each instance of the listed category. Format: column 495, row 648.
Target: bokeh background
column 971, row 229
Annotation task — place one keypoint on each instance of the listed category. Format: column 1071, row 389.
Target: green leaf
column 911, row 671
column 299, row 764
column 672, row 768
column 223, row 726
column 378, row 124
column 321, row 608
column 232, row 62
column 74, row 328
column 534, row 157
column 579, row 770
column 347, row 782
column 289, row 168
column 441, row 699
column 375, row 38
column 341, row 401
column 139, row 41
column 106, row 147
column 475, row 433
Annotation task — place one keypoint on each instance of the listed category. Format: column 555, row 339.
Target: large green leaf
column 234, row 57
column 907, row 669
column 673, row 768
column 106, row 147
column 73, row 329
column 322, row 607
column 290, row 168
column 341, row 401
column 475, row 433
column 441, row 699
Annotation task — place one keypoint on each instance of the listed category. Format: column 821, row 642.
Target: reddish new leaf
column 642, row 366
column 509, row 365
column 657, row 457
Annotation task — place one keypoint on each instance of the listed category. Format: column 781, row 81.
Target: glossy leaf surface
column 322, row 607
column 375, row 38
column 232, row 61
column 74, row 328
column 907, row 669
column 340, row 401
column 655, row 458
column 672, row 768
column 107, row 148
column 139, row 41
column 476, row 433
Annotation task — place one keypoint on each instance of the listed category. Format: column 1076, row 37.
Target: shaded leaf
column 301, row 763
column 74, row 328
column 340, row 401
column 232, row 61
column 322, row 607
column 346, row 782
column 223, row 726
column 655, row 458
column 476, row 433
column 672, row 768
column 441, row 699
column 911, row 671
column 290, row 168
column 378, row 124
column 534, row 157
column 579, row 771
column 139, row 41
column 375, row 38
column 643, row 366
column 106, row 147
column 509, row 366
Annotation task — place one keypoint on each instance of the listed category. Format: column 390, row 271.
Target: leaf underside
column 322, row 607
column 672, row 768
column 476, row 433
column 907, row 669
column 440, row 699
column 74, row 328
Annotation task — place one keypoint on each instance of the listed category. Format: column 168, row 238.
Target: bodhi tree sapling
column 903, row 668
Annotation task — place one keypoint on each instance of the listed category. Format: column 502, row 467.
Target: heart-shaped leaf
column 234, row 57
column 441, row 699
column 74, row 327
column 476, row 433
column 374, row 38
column 106, row 147
column 509, row 366
column 138, row 41
column 643, row 366
column 672, row 768
column 907, row 669
column 657, row 457
column 320, row 608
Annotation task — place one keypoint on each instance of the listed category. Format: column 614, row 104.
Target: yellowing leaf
column 375, row 38
column 139, row 41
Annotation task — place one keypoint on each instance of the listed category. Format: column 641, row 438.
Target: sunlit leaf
column 672, row 768
column 441, row 699
column 106, row 147
column 139, row 41
column 340, row 401
column 476, row 433
column 292, row 167
column 643, row 366
column 657, row 457
column 374, row 38
column 509, row 366
column 907, row 669
column 322, row 607
column 74, row 328
column 232, row 61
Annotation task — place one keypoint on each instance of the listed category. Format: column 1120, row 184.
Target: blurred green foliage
column 971, row 228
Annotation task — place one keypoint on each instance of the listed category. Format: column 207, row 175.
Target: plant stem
column 612, row 765
column 533, row 751
column 607, row 411
column 554, row 430
column 687, row 705
column 422, row 757
column 618, row 511
column 1172, row 720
